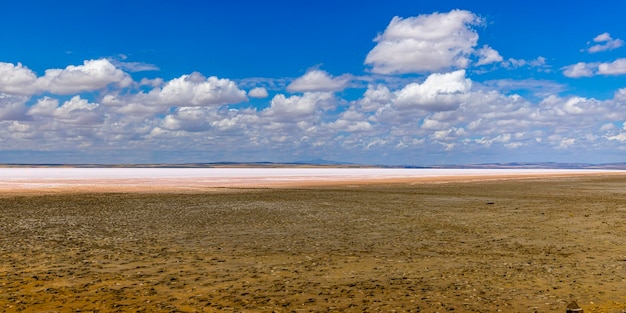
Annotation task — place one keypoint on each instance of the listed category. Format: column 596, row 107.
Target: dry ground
column 522, row 245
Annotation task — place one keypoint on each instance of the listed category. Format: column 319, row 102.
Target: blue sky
column 395, row 82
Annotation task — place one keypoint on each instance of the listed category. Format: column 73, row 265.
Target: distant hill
column 540, row 165
column 327, row 163
column 313, row 163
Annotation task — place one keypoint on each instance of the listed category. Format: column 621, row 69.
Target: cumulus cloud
column 76, row 112
column 351, row 121
column 432, row 124
column 44, row 107
column 425, row 43
column 445, row 112
column 139, row 105
column 12, row 108
column 191, row 119
column 318, row 80
column 621, row 137
column 604, row 43
column 375, row 97
column 17, row 79
column 350, row 126
column 439, row 92
column 620, row 95
column 617, row 67
column 193, row 90
column 235, row 121
column 576, row 106
column 258, row 92
column 156, row 82
column 488, row 55
column 441, row 111
column 92, row 75
column 582, row 69
column 487, row 141
column 298, row 107
column 196, row 90
column 574, row 110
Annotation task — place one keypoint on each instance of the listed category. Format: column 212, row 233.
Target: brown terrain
column 531, row 244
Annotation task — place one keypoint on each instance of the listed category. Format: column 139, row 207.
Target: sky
column 370, row 82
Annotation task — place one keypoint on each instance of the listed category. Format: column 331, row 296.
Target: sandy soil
column 465, row 244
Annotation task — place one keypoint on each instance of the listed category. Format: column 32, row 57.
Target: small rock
column 573, row 307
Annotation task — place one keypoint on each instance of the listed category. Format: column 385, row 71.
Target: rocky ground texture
column 518, row 245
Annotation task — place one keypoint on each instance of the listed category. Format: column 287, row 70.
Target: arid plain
column 528, row 243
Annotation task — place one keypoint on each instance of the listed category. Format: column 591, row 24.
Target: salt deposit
column 137, row 179
column 222, row 174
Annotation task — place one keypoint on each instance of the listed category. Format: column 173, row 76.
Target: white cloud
column 539, row 62
column 375, row 97
column 191, row 119
column 502, row 138
column 258, row 92
column 350, row 126
column 445, row 112
column 575, row 113
column 79, row 112
column 299, row 107
column 605, row 43
column 617, row 67
column 580, row 69
column 17, row 79
column 439, row 92
column 20, row 127
column 425, row 43
column 12, row 108
column 92, row 75
column 540, row 88
column 185, row 91
column 621, row 137
column 44, row 107
column 318, row 80
column 620, row 95
column 76, row 112
column 196, row 90
column 488, row 55
column 238, row 120
column 135, row 66
column 433, row 124
column 608, row 127
column 351, row 121
column 156, row 82
column 602, row 37
column 138, row 105
column 576, row 106
column 566, row 143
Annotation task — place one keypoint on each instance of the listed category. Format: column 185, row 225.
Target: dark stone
column 573, row 307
